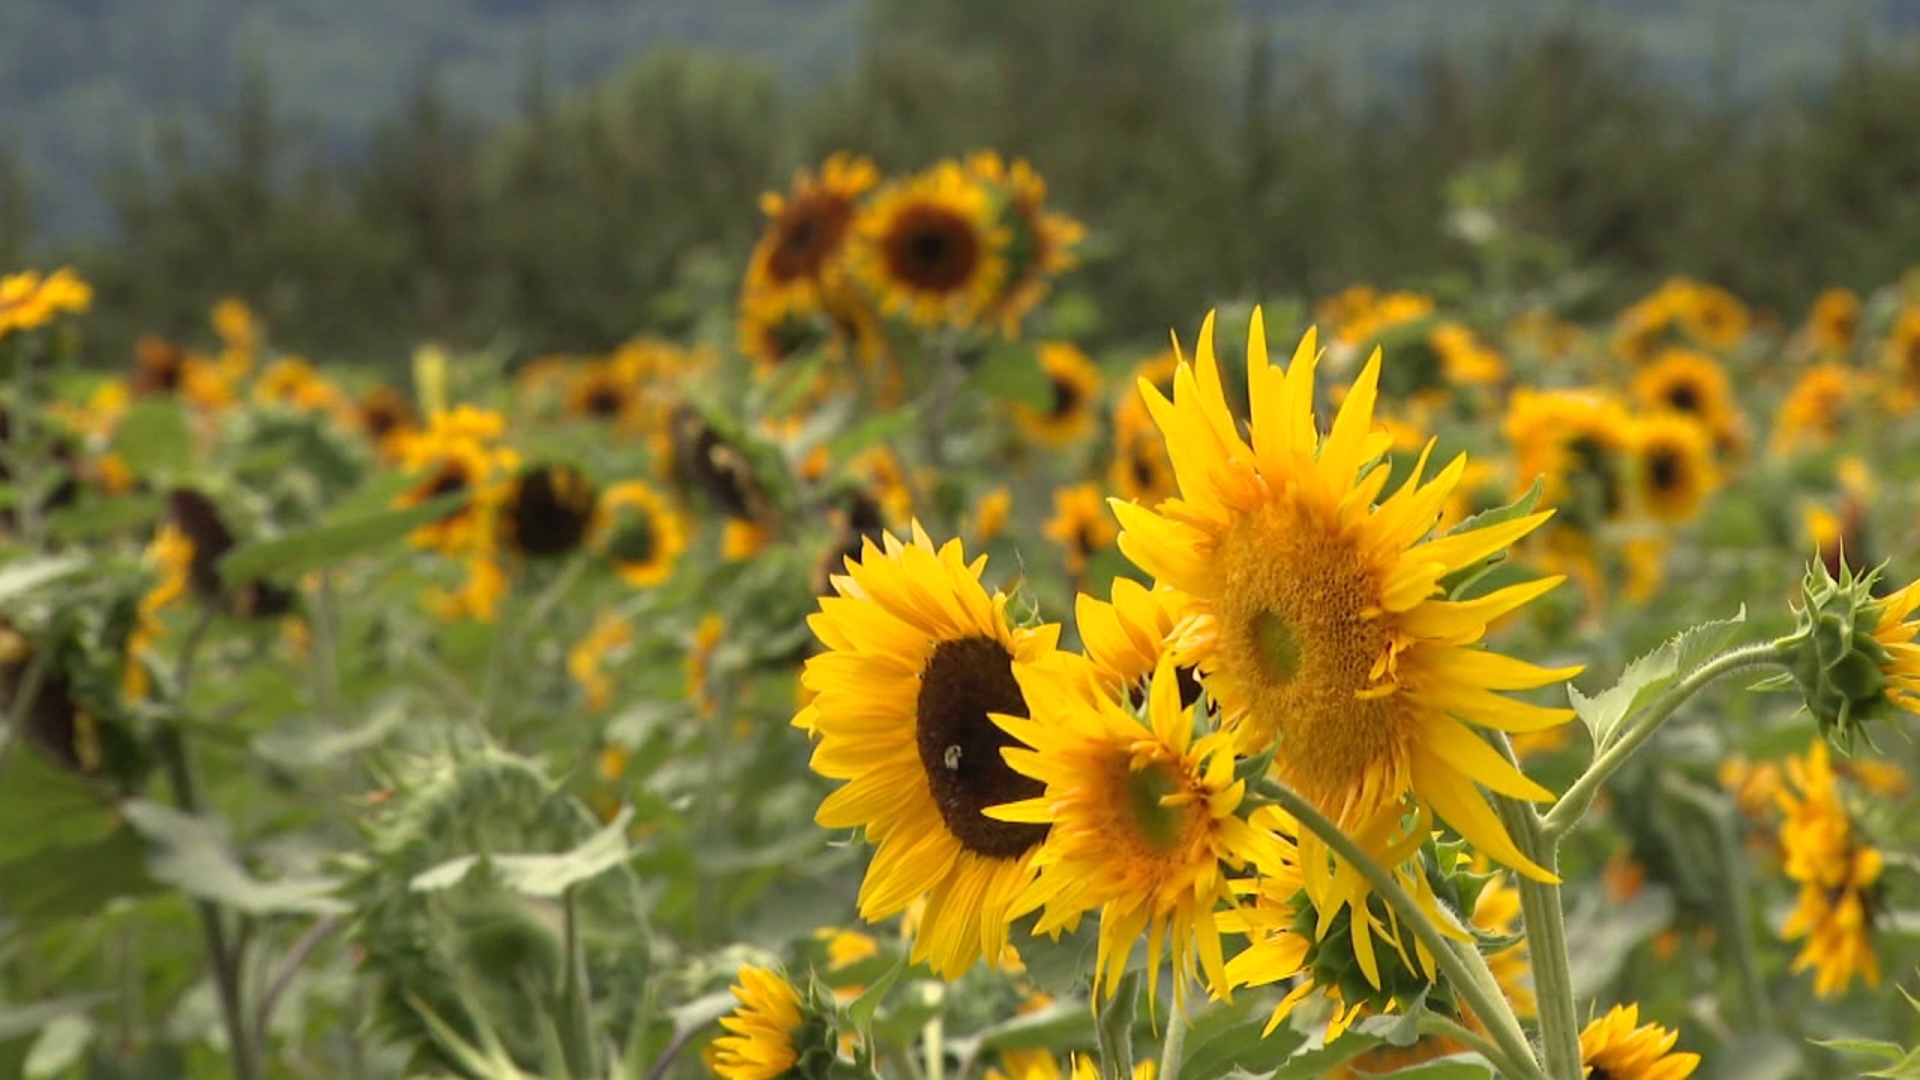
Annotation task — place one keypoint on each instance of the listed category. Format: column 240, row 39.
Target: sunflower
column 1141, row 820
column 1042, row 1065
column 639, row 533
column 163, row 368
column 458, row 452
column 547, row 511
column 387, row 419
column 1644, row 327
column 477, row 597
column 294, row 383
column 1316, row 616
column 1814, row 410
column 601, row 390
column 798, row 262
column 1141, row 471
column 240, row 334
column 989, row 518
column 1126, row 638
column 1041, row 243
column 1711, row 314
column 929, row 248
column 169, row 558
column 1691, row 383
column 1576, row 442
column 1838, row 874
column 29, row 301
column 1464, row 359
column 766, row 1028
column 1073, row 393
column 919, row 656
column 1677, row 473
column 587, row 660
column 1080, row 525
column 1618, row 1047
column 1895, row 635
column 1834, row 322
column 1903, row 349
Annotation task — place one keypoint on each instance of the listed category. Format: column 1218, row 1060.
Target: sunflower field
column 881, row 680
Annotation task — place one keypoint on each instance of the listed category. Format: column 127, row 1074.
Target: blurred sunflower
column 1042, row 1065
column 163, row 368
column 1041, row 242
column 1834, row 322
column 28, row 300
column 930, row 249
column 1081, row 525
column 1677, row 473
column 458, row 452
column 387, row 419
column 919, row 658
column 586, row 661
column 294, row 383
column 1316, row 615
column 477, row 597
column 169, row 559
column 1576, row 441
column 1465, row 360
column 1074, row 392
column 1838, row 874
column 1903, row 350
column 1644, row 327
column 989, row 518
column 1684, row 381
column 546, row 511
column 240, row 334
column 1618, row 1047
column 798, row 265
column 1814, row 410
column 1712, row 315
column 603, row 390
column 640, row 534
column 1141, row 821
column 1141, row 471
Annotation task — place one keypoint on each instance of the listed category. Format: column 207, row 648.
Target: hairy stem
column 1546, row 928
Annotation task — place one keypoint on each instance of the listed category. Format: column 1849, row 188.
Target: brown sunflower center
column 807, row 235
column 1684, row 398
column 1066, row 397
column 1665, row 469
column 931, row 249
column 550, row 511
column 964, row 682
column 605, row 399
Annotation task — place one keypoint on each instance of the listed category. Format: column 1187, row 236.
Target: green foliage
column 1651, row 675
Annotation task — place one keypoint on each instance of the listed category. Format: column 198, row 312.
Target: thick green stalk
column 1173, row 1046
column 1546, row 929
column 1573, row 805
column 1458, row 965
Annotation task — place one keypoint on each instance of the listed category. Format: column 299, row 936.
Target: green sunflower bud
column 1834, row 657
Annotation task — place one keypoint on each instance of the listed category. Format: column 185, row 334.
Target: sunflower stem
column 1572, row 806
column 1173, row 1047
column 1545, row 924
column 1113, row 1026
column 1465, row 969
column 1434, row 1023
column 1733, row 871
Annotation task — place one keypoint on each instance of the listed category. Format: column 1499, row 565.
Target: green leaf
column 1225, row 1038
column 311, row 743
column 873, row 430
column 93, row 518
column 285, row 558
column 1113, row 1027
column 59, row 1046
column 72, row 880
column 19, row 1020
column 1058, row 966
column 153, row 437
column 1454, row 585
column 540, row 875
column 1011, row 371
column 23, row 576
column 1399, row 1028
column 1646, row 678
column 863, row 1007
column 1452, row 1067
column 1317, row 1062
column 43, row 805
column 191, row 854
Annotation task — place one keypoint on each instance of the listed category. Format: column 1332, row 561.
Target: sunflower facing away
column 1316, row 613
column 931, row 250
column 762, row 1029
column 1142, row 821
column 1042, row 242
column 920, row 656
column 1618, row 1047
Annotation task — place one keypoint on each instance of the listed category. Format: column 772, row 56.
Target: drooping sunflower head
column 1317, row 614
column 1834, row 322
column 930, row 248
column 919, row 658
column 799, row 259
column 1618, row 1047
column 1080, row 524
column 709, row 461
column 639, row 533
column 1676, row 467
column 1040, row 242
column 547, row 511
column 1073, row 384
column 1142, row 820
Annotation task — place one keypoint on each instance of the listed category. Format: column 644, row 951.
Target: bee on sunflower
column 931, row 248
column 1316, row 615
column 919, row 658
